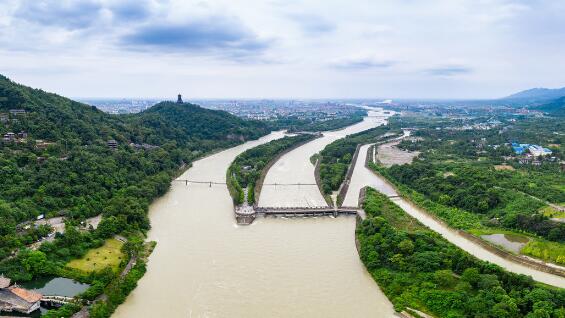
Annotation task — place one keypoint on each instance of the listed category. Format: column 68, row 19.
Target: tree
column 35, row 262
column 406, row 246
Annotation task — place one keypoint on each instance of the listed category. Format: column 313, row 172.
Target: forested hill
column 554, row 108
column 188, row 123
column 59, row 157
column 52, row 117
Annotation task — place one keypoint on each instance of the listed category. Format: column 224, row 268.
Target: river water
column 295, row 167
column 204, row 265
column 362, row 176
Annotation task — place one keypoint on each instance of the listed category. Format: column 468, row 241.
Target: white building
column 539, row 151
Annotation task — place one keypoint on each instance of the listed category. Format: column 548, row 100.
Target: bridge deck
column 187, row 181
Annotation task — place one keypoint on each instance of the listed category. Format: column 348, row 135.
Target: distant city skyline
column 404, row 49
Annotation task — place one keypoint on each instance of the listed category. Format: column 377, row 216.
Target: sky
column 284, row 48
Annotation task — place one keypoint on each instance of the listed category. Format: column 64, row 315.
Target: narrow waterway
column 205, row 265
column 295, row 167
column 362, row 177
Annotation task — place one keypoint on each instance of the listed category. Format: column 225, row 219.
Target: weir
column 247, row 216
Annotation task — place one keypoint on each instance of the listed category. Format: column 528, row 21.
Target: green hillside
column 554, row 108
column 64, row 164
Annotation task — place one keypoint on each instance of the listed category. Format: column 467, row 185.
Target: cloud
column 360, row 63
column 66, row 14
column 312, row 24
column 447, row 71
column 130, row 10
column 223, row 35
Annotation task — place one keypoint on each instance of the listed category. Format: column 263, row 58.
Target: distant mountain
column 554, row 108
column 538, row 94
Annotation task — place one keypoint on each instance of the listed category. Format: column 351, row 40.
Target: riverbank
column 469, row 243
column 419, row 269
column 216, row 268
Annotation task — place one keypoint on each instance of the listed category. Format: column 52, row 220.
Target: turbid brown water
column 205, row 265
column 295, row 167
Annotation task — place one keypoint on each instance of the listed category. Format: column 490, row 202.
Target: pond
column 51, row 286
column 510, row 242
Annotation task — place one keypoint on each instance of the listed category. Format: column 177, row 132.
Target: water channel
column 205, row 265
column 362, row 176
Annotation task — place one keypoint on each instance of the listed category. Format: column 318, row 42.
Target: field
column 109, row 254
column 503, row 167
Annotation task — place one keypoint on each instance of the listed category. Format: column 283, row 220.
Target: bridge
column 210, row 183
column 56, row 301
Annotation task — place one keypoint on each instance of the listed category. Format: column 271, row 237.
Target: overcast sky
column 284, row 48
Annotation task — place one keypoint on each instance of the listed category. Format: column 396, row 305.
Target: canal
column 362, row 177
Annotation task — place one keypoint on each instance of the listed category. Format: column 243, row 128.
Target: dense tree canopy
column 64, row 166
column 418, row 269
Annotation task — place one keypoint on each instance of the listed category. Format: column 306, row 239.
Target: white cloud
column 307, row 48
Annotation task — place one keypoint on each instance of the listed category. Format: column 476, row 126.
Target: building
column 15, row 298
column 112, row 144
column 525, row 161
column 4, row 118
column 539, row 151
column 8, row 137
column 16, row 112
column 179, row 99
column 41, row 144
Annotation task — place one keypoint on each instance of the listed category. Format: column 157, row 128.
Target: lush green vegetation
column 545, row 250
column 246, row 169
column 78, row 176
column 554, row 108
column 453, row 216
column 64, row 166
column 336, row 157
column 472, row 180
column 417, row 268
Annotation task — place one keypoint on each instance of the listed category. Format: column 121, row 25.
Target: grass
column 552, row 213
column 488, row 231
column 548, row 251
column 108, row 255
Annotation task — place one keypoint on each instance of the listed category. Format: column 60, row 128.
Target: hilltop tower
column 179, row 99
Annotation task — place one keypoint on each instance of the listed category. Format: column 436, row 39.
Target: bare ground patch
column 504, row 167
column 389, row 154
